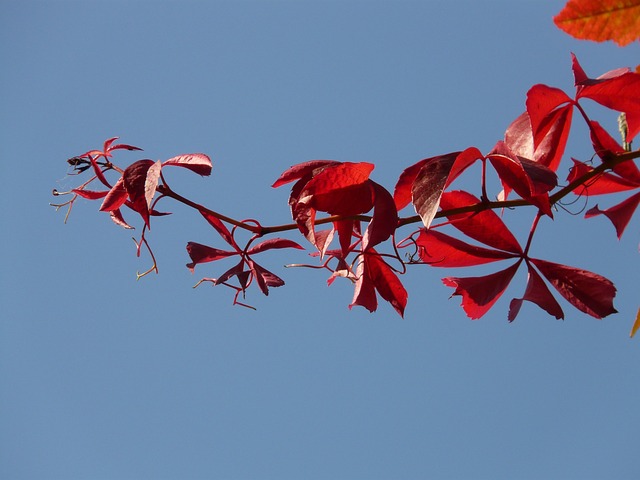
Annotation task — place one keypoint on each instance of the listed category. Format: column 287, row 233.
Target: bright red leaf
column 620, row 214
column 484, row 226
column 479, row 294
column 441, row 250
column 200, row 253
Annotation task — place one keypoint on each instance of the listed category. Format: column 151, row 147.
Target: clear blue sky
column 103, row 377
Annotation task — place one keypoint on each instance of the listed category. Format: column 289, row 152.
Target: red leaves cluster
column 331, row 200
column 344, row 190
column 137, row 185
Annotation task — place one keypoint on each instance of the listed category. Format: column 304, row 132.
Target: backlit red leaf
column 441, row 250
column 620, row 214
column 151, row 182
column 479, row 294
column 485, row 226
column 385, row 217
column 601, row 20
column 302, row 170
column 115, row 198
column 537, row 292
column 374, row 274
column 602, row 184
column 196, row 162
column 264, row 277
column 587, row 291
column 340, row 190
column 542, row 100
column 118, row 219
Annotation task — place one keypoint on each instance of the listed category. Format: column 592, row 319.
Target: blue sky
column 103, row 377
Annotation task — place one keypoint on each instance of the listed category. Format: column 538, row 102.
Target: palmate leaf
column 601, row 20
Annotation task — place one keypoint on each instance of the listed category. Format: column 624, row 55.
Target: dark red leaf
column 135, row 182
column 274, row 243
column 264, row 277
column 485, row 226
column 220, row 227
column 587, row 291
column 537, row 292
column 480, row 293
column 364, row 293
column 620, row 214
column 236, row 270
column 441, row 250
column 202, row 254
column 196, row 162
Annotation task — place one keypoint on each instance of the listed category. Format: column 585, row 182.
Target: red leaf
column 531, row 180
column 386, row 282
column 374, row 274
column 602, row 184
column 364, row 293
column 485, row 226
column 385, row 217
column 542, row 100
column 135, row 182
column 90, row 194
column 274, row 243
column 115, row 198
column 340, row 190
column 302, row 170
column 151, row 182
column 537, row 292
column 552, row 137
column 603, row 143
column 118, row 219
column 601, row 20
column 618, row 90
column 620, row 214
column 441, row 250
column 202, row 254
column 220, row 227
column 424, row 182
column 480, row 293
column 264, row 277
column 196, row 162
column 587, row 291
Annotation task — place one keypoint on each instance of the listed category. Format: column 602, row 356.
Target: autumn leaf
column 196, row 162
column 601, row 20
column 636, row 324
column 620, row 214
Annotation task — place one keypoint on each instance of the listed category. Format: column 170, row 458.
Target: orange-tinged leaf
column 636, row 324
column 601, row 20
